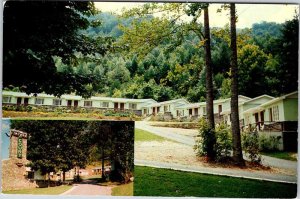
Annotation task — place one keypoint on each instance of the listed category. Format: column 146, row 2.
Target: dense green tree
column 62, row 149
column 33, row 32
column 252, row 64
column 265, row 35
column 60, row 145
column 288, row 47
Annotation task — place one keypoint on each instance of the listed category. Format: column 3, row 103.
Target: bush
column 269, row 143
column 204, row 139
column 118, row 114
column 77, row 178
column 223, row 142
column 250, row 144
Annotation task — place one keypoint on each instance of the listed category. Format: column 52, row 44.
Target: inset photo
column 67, row 157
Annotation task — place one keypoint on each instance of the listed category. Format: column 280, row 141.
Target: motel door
column 220, row 109
column 190, row 111
column 25, row 101
column 19, row 100
column 256, row 117
column 75, row 103
column 153, row 110
column 196, row 111
column 69, row 102
column 262, row 117
column 116, row 106
column 122, row 106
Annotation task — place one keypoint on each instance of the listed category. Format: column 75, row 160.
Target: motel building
column 73, row 101
column 252, row 111
column 167, row 108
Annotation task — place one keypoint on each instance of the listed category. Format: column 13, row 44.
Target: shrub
column 269, row 143
column 77, row 178
column 223, row 142
column 29, row 108
column 205, row 137
column 250, row 144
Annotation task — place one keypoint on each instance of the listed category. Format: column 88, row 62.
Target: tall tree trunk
column 209, row 88
column 64, row 176
column 48, row 179
column 102, row 174
column 235, row 124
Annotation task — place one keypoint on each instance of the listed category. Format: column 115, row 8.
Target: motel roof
column 168, row 102
column 192, row 105
column 277, row 99
column 256, row 98
column 122, row 99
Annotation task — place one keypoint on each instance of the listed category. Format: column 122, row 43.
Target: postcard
column 157, row 99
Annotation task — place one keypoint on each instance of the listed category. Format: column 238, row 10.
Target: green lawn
column 281, row 154
column 141, row 135
column 163, row 182
column 41, row 191
column 123, row 190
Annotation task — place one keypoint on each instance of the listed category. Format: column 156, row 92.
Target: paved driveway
column 180, row 155
column 89, row 188
column 170, row 133
column 186, row 136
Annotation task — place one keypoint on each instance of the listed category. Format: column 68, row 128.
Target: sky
column 248, row 14
column 4, row 139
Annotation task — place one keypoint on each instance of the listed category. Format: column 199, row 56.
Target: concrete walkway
column 240, row 173
column 89, row 188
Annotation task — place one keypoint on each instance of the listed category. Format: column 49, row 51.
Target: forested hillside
column 264, row 57
column 174, row 67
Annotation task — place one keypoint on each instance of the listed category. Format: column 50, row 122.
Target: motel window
column 39, row 101
column 275, row 113
column 88, row 103
column 30, row 175
column 132, row 106
column 270, row 115
column 247, row 119
column 165, row 108
column 104, row 104
column 6, row 99
column 57, row 102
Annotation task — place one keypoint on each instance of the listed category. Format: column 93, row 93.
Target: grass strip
column 281, row 155
column 164, row 182
column 145, row 136
column 42, row 191
column 123, row 190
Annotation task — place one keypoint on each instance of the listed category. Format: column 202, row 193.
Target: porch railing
column 274, row 126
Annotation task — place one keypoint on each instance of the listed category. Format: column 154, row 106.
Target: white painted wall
column 280, row 109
